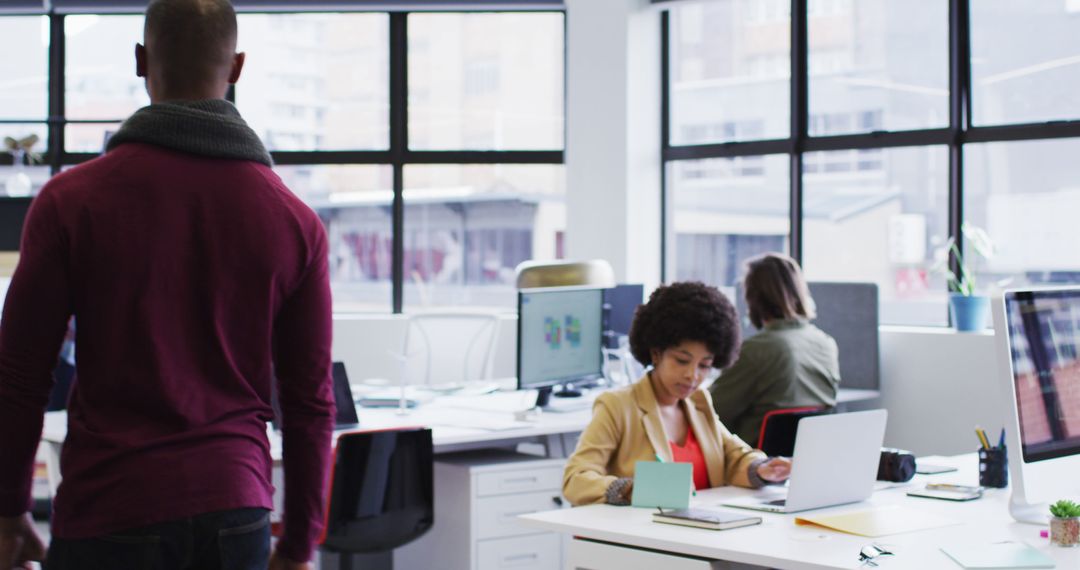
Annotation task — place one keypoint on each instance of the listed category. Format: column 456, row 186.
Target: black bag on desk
column 895, row 465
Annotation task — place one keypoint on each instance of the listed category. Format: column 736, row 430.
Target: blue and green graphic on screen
column 558, row 336
column 554, row 331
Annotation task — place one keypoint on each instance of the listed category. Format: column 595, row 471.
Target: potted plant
column 968, row 310
column 1065, row 523
column 19, row 184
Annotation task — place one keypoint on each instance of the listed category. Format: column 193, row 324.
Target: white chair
column 447, row 350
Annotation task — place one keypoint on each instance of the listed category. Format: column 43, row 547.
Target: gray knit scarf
column 212, row 127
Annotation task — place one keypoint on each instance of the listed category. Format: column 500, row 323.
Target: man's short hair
column 190, row 40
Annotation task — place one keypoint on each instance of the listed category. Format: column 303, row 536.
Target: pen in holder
column 993, row 467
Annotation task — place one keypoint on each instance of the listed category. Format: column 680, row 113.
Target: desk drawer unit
column 534, row 552
column 525, row 481
column 496, row 517
column 478, row 497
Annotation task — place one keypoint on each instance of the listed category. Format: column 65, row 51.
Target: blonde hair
column 775, row 290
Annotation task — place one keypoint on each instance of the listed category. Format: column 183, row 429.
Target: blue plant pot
column 969, row 313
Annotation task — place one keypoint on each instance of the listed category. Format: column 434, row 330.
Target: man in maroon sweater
column 196, row 279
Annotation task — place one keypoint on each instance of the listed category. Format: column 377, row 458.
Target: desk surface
column 457, row 423
column 779, row 543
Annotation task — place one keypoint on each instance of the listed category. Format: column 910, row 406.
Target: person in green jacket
column 788, row 363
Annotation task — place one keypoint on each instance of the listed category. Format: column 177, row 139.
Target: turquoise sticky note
column 665, row 485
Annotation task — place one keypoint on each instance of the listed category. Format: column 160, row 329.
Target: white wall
column 613, row 136
column 366, row 343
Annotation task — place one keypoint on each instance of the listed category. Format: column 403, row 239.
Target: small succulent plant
column 1065, row 509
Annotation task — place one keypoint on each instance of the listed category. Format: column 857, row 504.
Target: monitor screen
column 1043, row 337
column 558, row 336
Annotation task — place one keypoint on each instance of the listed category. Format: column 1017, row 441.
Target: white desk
column 625, row 538
column 458, row 424
column 455, row 426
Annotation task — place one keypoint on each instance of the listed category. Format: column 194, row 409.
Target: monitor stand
column 543, row 395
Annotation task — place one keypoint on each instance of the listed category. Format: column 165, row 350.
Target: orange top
column 690, row 452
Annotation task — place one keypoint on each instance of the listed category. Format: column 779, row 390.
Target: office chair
column 778, row 429
column 381, row 494
column 458, row 345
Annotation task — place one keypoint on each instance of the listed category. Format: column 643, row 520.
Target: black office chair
column 778, row 429
column 381, row 494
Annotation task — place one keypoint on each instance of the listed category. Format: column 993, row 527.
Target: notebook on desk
column 835, row 462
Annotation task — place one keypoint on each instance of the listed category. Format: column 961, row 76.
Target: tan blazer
column 626, row 428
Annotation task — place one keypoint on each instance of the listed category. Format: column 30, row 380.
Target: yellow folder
column 877, row 521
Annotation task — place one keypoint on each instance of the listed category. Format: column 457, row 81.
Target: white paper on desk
column 504, row 402
column 878, row 521
column 490, row 424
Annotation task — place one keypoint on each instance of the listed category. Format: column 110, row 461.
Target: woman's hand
column 775, row 470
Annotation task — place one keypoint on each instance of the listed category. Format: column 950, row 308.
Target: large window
column 24, row 86
column 895, row 123
column 486, row 81
column 430, row 144
column 730, row 69
column 100, row 85
column 1025, row 61
column 726, row 210
column 316, row 82
column 1026, row 195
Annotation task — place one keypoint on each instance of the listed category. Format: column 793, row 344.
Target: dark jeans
column 227, row 540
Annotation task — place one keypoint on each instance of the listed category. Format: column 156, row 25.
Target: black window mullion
column 959, row 117
column 399, row 145
column 728, row 149
column 799, row 119
column 665, row 136
column 482, row 157
column 283, row 158
column 57, row 62
column 1031, row 131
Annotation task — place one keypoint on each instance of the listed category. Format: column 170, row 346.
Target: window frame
column 959, row 133
column 397, row 156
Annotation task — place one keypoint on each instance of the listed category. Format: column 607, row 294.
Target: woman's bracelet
column 615, row 491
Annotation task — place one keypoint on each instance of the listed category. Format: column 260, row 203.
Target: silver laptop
column 835, row 462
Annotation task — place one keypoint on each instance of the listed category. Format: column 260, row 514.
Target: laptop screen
column 343, row 400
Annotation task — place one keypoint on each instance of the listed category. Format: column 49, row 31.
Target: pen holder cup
column 993, row 467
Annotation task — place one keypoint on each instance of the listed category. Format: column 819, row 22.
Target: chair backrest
column 778, row 429
column 381, row 492
column 450, row 347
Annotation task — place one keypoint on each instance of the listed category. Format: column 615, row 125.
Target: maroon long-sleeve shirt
column 194, row 282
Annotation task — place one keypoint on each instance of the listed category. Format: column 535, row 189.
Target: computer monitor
column 620, row 303
column 1038, row 345
column 559, row 332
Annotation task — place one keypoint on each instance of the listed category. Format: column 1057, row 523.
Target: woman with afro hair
column 684, row 334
